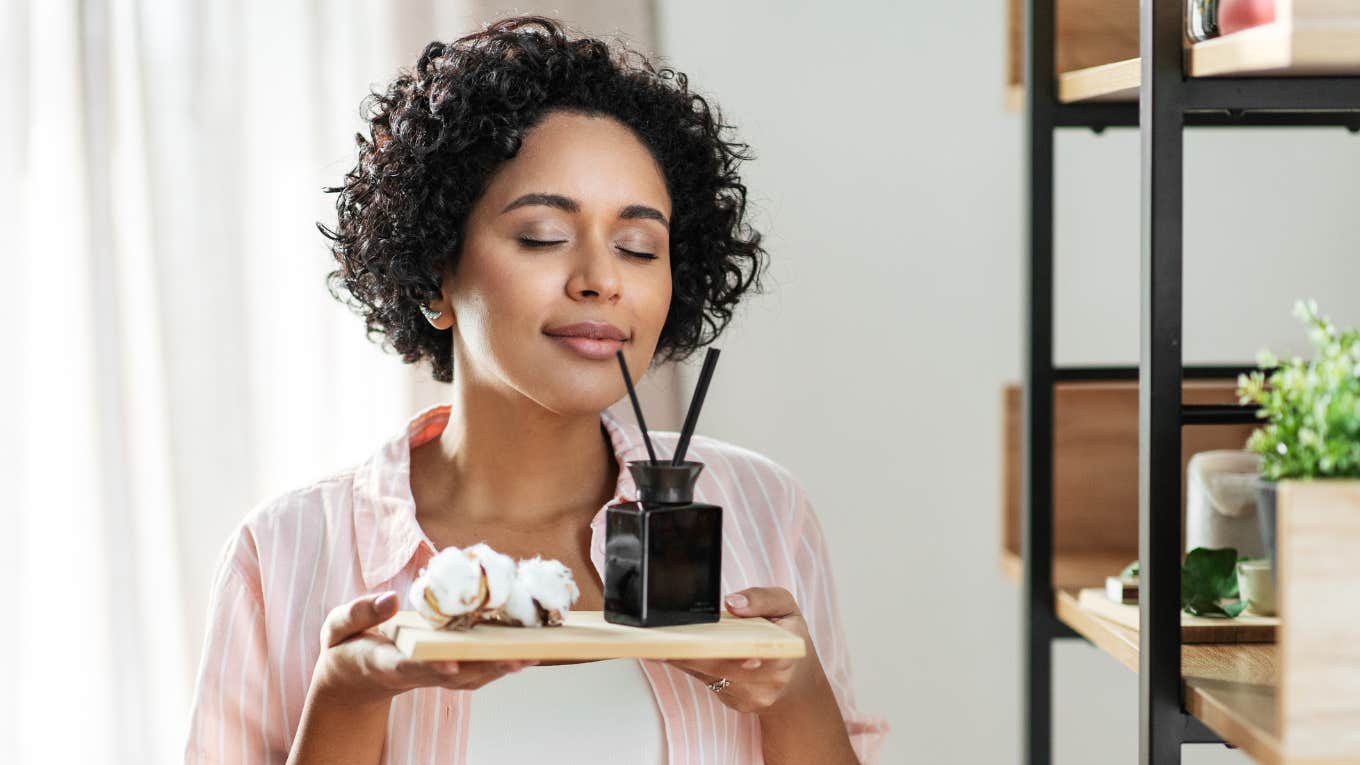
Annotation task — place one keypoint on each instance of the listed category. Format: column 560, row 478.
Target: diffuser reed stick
column 637, row 407
column 695, row 404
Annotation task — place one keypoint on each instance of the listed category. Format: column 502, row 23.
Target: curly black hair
column 439, row 132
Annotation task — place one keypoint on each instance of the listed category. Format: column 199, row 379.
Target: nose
column 594, row 273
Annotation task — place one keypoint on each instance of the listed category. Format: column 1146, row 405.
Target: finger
column 769, row 602
column 713, row 667
column 446, row 668
column 710, row 670
column 468, row 669
column 383, row 659
column 768, row 665
column 411, row 673
column 474, row 675
column 349, row 619
column 753, row 664
column 516, row 665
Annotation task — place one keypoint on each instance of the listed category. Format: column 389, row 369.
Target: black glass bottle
column 663, row 553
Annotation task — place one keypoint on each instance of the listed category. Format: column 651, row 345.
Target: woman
column 525, row 204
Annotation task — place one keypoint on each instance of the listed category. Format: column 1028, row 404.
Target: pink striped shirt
column 297, row 556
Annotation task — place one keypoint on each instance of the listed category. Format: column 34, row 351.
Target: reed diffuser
column 663, row 552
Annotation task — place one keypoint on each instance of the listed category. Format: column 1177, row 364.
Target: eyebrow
column 631, row 212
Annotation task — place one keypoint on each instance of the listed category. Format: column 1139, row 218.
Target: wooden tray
column 586, row 635
column 1247, row 628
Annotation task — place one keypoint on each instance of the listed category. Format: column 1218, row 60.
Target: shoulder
column 748, row 481
column 286, row 518
column 739, row 463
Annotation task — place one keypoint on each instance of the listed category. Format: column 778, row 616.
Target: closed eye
column 539, row 243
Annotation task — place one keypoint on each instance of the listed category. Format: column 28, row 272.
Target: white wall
column 890, row 185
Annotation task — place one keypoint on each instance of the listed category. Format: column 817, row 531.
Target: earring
column 430, row 313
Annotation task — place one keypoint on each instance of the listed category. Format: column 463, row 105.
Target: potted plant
column 1311, row 411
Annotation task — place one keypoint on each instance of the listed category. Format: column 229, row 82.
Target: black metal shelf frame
column 1168, row 102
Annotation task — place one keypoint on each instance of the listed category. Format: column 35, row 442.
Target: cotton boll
column 420, row 599
column 550, row 584
column 500, row 574
column 520, row 607
column 454, row 582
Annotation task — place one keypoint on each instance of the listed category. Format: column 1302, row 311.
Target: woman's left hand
column 759, row 685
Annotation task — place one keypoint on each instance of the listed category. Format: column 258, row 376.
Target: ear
column 438, row 314
column 442, row 304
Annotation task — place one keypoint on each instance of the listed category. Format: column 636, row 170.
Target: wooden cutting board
column 586, row 635
column 1247, row 628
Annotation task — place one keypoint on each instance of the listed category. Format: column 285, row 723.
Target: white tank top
column 601, row 712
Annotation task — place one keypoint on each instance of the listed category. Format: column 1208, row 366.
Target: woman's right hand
column 360, row 664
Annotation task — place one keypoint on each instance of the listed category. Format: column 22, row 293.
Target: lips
column 595, row 330
column 593, row 340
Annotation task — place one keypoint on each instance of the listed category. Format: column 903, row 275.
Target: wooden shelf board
column 1279, row 49
column 1109, row 82
column 1229, row 686
column 1274, row 49
column 1073, row 570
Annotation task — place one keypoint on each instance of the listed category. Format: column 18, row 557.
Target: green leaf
column 1208, row 608
column 1208, row 576
column 1204, row 608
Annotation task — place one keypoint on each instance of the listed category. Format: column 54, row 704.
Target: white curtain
column 171, row 355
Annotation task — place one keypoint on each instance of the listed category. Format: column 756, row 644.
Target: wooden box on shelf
column 1318, row 582
column 1095, row 466
column 1096, row 41
column 1088, row 33
column 1308, row 37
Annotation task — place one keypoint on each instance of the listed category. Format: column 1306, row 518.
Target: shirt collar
column 386, row 531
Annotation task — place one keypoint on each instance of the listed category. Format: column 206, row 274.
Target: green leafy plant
column 1311, row 408
column 1207, row 577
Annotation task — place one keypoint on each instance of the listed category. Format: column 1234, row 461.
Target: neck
column 505, row 459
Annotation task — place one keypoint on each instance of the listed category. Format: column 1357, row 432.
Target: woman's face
column 573, row 229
